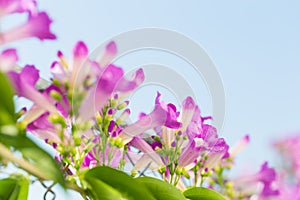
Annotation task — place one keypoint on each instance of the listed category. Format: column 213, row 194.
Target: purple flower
column 189, row 135
column 8, row 59
column 190, row 153
column 79, row 69
column 89, row 161
column 24, row 85
column 17, row 6
column 91, row 84
column 37, row 26
column 171, row 113
column 266, row 176
column 162, row 115
column 107, row 55
column 59, row 72
column 111, row 80
column 149, row 156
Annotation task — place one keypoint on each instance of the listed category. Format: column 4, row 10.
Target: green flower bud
column 162, row 170
column 123, row 105
column 56, row 82
column 77, row 141
column 56, row 95
column 133, row 173
column 57, row 119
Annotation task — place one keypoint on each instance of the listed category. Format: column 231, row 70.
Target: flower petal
column 14, row 6
column 187, row 112
column 106, row 57
column 8, row 59
column 37, row 26
column 24, row 84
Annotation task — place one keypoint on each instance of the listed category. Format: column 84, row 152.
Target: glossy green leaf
column 7, row 188
column 43, row 163
column 115, row 185
column 103, row 191
column 14, row 188
column 198, row 193
column 161, row 190
column 7, row 108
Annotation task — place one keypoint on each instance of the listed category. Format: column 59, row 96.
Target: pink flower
column 203, row 138
column 76, row 73
column 43, row 129
column 59, row 72
column 239, row 146
column 266, row 177
column 79, row 70
column 206, row 141
column 90, row 84
column 111, row 80
column 24, row 85
column 171, row 113
column 17, row 6
column 107, row 55
column 8, row 59
column 289, row 148
column 150, row 155
column 162, row 115
column 288, row 190
column 37, row 26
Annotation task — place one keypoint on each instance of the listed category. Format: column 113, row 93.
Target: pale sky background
column 254, row 44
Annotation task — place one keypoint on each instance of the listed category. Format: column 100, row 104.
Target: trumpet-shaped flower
column 262, row 183
column 112, row 79
column 180, row 147
column 37, row 26
column 17, row 6
column 24, row 85
column 160, row 116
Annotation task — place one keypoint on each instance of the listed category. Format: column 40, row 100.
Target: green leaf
column 14, row 188
column 161, row 190
column 45, row 166
column 23, row 192
column 7, row 188
column 199, row 193
column 7, row 108
column 102, row 190
column 108, row 183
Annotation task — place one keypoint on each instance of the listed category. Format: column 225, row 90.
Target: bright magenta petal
column 37, row 26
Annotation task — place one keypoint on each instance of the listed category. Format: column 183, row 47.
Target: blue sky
column 254, row 44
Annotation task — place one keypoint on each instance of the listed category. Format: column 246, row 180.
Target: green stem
column 196, row 176
column 177, row 178
column 76, row 188
column 104, row 140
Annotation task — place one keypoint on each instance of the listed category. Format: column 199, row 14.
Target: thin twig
column 22, row 163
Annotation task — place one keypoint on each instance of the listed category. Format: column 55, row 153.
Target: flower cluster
column 83, row 114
